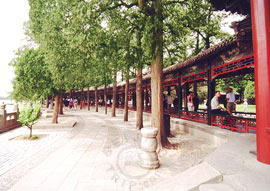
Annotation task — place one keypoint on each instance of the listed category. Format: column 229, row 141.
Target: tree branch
column 175, row 2
column 169, row 52
column 120, row 5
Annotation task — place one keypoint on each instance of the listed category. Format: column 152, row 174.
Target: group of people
column 73, row 103
column 193, row 101
column 168, row 102
column 216, row 108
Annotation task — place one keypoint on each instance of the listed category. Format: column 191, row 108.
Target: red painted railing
column 172, row 112
column 234, row 123
column 194, row 116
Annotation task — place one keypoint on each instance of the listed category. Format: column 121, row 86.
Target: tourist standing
column 75, row 103
column 65, row 101
column 230, row 97
column 83, row 104
column 190, row 101
column 175, row 103
column 164, row 101
column 245, row 105
column 196, row 102
column 70, row 103
column 205, row 103
column 169, row 101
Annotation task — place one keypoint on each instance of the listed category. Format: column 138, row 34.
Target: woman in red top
column 190, row 101
column 83, row 104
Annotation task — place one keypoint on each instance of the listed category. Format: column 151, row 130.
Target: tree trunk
column 207, row 42
column 185, row 96
column 157, row 100
column 241, row 93
column 195, row 87
column 47, row 102
column 31, row 130
column 156, row 76
column 114, row 96
column 70, row 94
column 197, row 47
column 81, row 99
column 138, row 96
column 55, row 113
column 126, row 101
column 139, row 113
column 88, row 99
column 96, row 99
column 61, row 104
column 105, row 99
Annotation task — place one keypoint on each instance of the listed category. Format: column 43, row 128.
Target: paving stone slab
column 191, row 179
column 215, row 187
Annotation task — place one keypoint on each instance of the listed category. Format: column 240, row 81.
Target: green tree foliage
column 48, row 27
column 28, row 115
column 204, row 24
column 250, row 92
column 76, row 42
column 87, row 42
column 238, row 83
column 202, row 91
column 32, row 77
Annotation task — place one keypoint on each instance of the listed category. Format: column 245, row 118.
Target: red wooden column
column 260, row 10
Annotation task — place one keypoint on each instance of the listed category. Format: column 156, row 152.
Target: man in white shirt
column 75, row 103
column 230, row 97
column 215, row 107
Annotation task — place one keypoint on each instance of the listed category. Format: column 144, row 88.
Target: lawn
column 251, row 108
column 239, row 108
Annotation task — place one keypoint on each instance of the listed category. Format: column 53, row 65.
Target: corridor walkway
column 99, row 153
column 102, row 153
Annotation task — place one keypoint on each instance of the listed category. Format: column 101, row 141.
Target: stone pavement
column 101, row 153
column 17, row 156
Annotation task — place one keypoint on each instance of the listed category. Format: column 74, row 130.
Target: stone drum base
column 148, row 154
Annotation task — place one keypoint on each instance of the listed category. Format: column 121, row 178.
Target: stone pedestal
column 16, row 109
column 3, row 116
column 148, row 155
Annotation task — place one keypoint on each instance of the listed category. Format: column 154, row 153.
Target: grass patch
column 27, row 138
column 239, row 108
column 34, row 137
column 251, row 108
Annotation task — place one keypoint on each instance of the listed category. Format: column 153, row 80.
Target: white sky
column 13, row 13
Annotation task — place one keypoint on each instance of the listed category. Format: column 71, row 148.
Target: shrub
column 28, row 115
